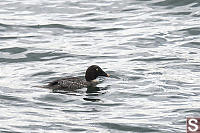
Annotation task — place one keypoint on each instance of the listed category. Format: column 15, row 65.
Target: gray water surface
column 149, row 47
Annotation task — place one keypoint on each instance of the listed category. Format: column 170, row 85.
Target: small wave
column 5, row 25
column 124, row 127
column 129, row 10
column 156, row 59
column 108, row 29
column 13, row 50
column 61, row 26
column 36, row 57
column 50, row 26
column 14, row 37
column 103, row 19
column 174, row 3
column 192, row 45
column 191, row 31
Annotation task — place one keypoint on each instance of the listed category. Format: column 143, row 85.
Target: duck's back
column 70, row 83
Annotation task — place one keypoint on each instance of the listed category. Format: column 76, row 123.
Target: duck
column 74, row 83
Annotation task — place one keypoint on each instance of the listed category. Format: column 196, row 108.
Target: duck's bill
column 105, row 74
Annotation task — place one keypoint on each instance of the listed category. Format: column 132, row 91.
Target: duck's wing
column 71, row 83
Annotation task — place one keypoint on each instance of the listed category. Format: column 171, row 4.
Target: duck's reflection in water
column 91, row 93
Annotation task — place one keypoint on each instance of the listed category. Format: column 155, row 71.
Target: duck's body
column 73, row 83
column 70, row 83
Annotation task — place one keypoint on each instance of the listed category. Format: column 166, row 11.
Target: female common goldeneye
column 73, row 83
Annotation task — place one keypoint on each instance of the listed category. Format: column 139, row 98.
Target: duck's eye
column 97, row 69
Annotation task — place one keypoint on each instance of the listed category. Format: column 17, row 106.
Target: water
column 150, row 48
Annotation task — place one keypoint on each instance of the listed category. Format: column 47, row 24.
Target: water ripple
column 156, row 59
column 123, row 127
column 150, row 49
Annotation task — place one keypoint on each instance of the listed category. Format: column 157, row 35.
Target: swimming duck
column 73, row 83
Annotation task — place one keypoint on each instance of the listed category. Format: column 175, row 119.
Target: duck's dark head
column 93, row 72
